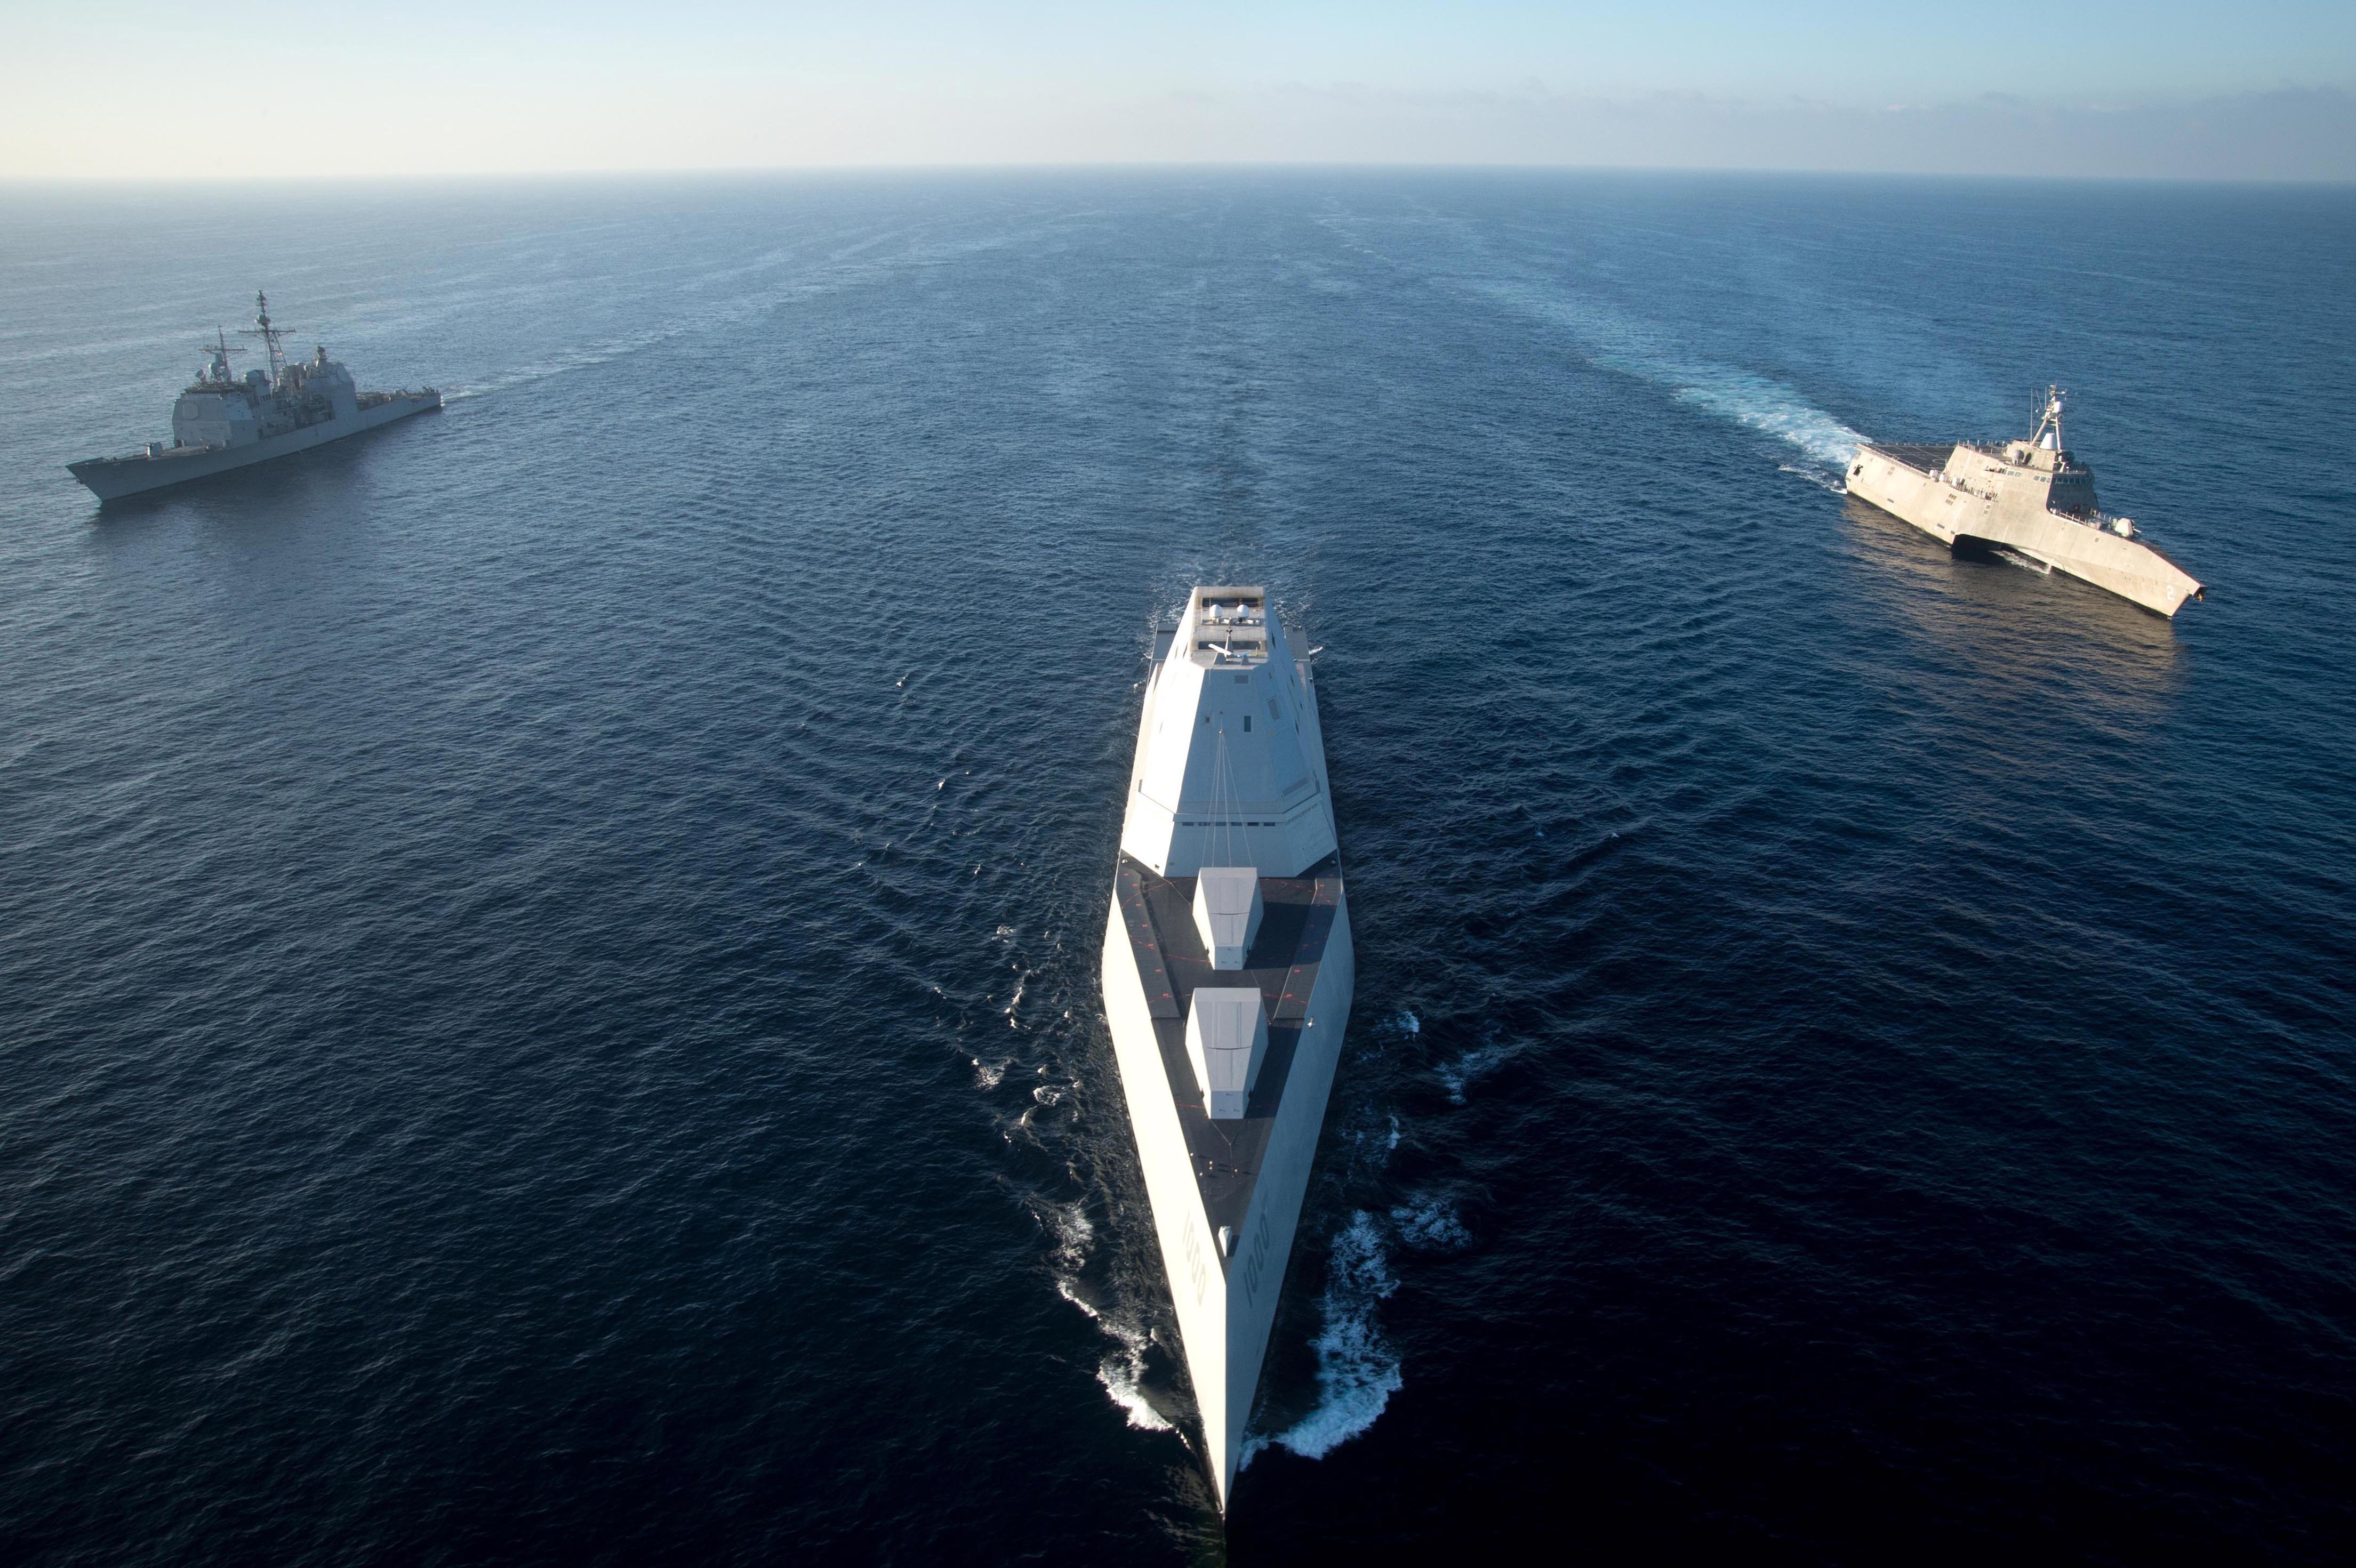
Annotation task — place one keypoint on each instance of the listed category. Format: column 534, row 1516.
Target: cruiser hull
column 111, row 478
column 1950, row 511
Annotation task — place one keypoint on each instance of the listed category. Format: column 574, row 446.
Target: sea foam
column 1357, row 1370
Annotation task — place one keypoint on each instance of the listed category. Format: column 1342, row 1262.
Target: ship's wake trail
column 1815, row 475
column 765, row 284
column 1617, row 341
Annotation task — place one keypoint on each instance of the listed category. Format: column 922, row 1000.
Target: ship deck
column 1923, row 457
column 1297, row 919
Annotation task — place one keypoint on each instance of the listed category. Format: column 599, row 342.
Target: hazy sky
column 141, row 89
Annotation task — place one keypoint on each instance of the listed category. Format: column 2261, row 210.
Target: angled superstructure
column 1230, row 768
column 223, row 420
column 1227, row 974
column 2032, row 498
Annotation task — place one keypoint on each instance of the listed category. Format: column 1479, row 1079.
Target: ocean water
column 548, row 953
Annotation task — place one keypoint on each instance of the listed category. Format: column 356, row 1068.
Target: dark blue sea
column 548, row 1002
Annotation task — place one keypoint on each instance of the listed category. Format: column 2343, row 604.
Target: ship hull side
column 1190, row 1259
column 1256, row 1274
column 1947, row 512
column 111, row 478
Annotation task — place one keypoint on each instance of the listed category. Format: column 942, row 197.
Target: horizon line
column 1206, row 165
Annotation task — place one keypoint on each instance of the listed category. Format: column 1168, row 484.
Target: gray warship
column 1228, row 971
column 224, row 421
column 2031, row 498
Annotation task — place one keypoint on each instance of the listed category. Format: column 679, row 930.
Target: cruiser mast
column 269, row 334
column 217, row 366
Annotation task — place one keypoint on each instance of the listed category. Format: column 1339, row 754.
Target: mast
column 2049, row 420
column 217, row 369
column 269, row 334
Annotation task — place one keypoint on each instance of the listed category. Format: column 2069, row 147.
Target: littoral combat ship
column 223, row 421
column 2031, row 497
column 1228, row 974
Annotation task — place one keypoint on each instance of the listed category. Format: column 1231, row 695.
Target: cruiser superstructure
column 1227, row 975
column 2032, row 498
column 223, row 420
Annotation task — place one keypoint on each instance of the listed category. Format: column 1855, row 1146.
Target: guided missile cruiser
column 1227, row 974
column 223, row 420
column 2031, row 497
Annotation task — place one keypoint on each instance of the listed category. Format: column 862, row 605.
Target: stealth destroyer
column 1227, row 977
column 223, row 420
column 2032, row 498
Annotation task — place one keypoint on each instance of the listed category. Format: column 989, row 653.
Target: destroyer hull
column 111, row 478
column 1228, row 972
column 1226, row 1304
column 1897, row 482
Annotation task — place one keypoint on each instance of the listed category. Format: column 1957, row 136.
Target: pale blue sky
column 119, row 87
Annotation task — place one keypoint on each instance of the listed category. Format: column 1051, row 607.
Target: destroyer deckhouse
column 1228, row 974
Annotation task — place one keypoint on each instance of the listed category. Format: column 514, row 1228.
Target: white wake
column 1357, row 1370
column 1620, row 342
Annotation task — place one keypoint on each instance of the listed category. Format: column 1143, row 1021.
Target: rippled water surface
column 548, row 952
